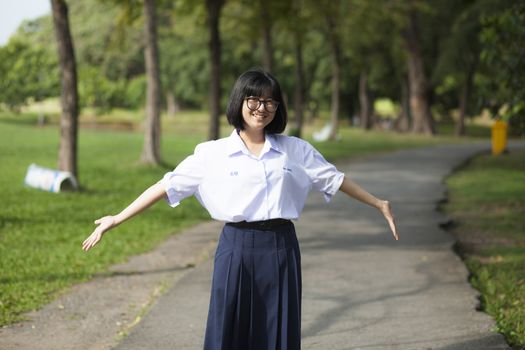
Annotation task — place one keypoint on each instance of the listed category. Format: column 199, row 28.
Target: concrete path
column 361, row 289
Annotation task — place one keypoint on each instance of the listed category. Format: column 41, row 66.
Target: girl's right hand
column 104, row 224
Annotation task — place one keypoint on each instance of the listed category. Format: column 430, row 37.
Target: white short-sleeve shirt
column 235, row 185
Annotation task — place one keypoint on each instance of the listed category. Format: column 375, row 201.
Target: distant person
column 256, row 181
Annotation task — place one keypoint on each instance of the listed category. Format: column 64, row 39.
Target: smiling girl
column 256, row 181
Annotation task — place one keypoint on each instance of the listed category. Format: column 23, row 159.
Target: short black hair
column 256, row 82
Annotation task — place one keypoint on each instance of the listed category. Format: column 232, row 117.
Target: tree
column 213, row 10
column 363, row 49
column 366, row 102
column 417, row 80
column 317, row 70
column 266, row 35
column 403, row 122
column 298, row 83
column 294, row 18
column 368, row 39
column 184, row 65
column 332, row 16
column 67, row 155
column 310, row 45
column 459, row 57
column 151, row 148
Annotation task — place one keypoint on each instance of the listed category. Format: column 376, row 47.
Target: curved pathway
column 362, row 289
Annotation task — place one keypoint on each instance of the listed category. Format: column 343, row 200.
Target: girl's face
column 258, row 112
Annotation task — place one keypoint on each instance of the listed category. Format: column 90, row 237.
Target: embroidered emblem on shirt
column 287, row 169
column 234, row 173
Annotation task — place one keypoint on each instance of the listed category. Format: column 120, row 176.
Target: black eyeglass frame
column 259, row 102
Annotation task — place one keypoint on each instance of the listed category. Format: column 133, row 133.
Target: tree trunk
column 463, row 97
column 336, row 77
column 151, row 148
column 365, row 102
column 311, row 104
column 266, row 31
column 299, row 85
column 213, row 8
column 419, row 106
column 313, row 111
column 67, row 154
column 334, row 108
column 463, row 103
column 403, row 123
column 171, row 105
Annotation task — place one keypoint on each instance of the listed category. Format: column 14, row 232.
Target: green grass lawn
column 41, row 233
column 487, row 202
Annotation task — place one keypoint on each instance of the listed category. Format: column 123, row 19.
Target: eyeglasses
column 253, row 103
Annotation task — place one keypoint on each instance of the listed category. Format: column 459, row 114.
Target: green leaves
column 461, row 41
column 503, row 54
column 27, row 72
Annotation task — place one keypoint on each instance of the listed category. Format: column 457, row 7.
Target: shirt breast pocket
column 293, row 177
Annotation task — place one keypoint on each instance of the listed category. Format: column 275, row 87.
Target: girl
column 256, row 181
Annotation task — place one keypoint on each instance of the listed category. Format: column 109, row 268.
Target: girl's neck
column 252, row 136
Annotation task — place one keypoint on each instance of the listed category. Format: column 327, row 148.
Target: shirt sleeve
column 323, row 175
column 185, row 179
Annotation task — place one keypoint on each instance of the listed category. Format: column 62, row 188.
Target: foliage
column 503, row 55
column 27, row 73
column 135, row 93
column 459, row 53
column 184, row 70
column 109, row 41
column 457, row 38
column 98, row 91
column 368, row 39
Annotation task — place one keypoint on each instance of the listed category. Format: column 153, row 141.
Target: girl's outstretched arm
column 355, row 191
column 145, row 200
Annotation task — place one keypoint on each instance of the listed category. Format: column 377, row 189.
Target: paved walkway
column 361, row 289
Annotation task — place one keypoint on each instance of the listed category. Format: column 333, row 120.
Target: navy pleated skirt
column 255, row 299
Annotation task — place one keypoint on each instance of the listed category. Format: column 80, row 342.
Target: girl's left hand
column 387, row 213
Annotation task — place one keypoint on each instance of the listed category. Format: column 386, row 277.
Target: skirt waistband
column 260, row 225
column 248, row 239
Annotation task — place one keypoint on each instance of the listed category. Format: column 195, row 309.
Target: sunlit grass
column 487, row 200
column 41, row 232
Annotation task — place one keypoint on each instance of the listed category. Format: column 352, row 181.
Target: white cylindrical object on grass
column 49, row 179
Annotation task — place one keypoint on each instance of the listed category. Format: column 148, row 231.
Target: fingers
column 91, row 241
column 394, row 229
column 392, row 224
column 387, row 212
column 104, row 224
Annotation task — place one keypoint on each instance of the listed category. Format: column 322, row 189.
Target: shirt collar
column 235, row 144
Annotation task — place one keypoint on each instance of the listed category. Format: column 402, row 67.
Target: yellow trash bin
column 499, row 137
